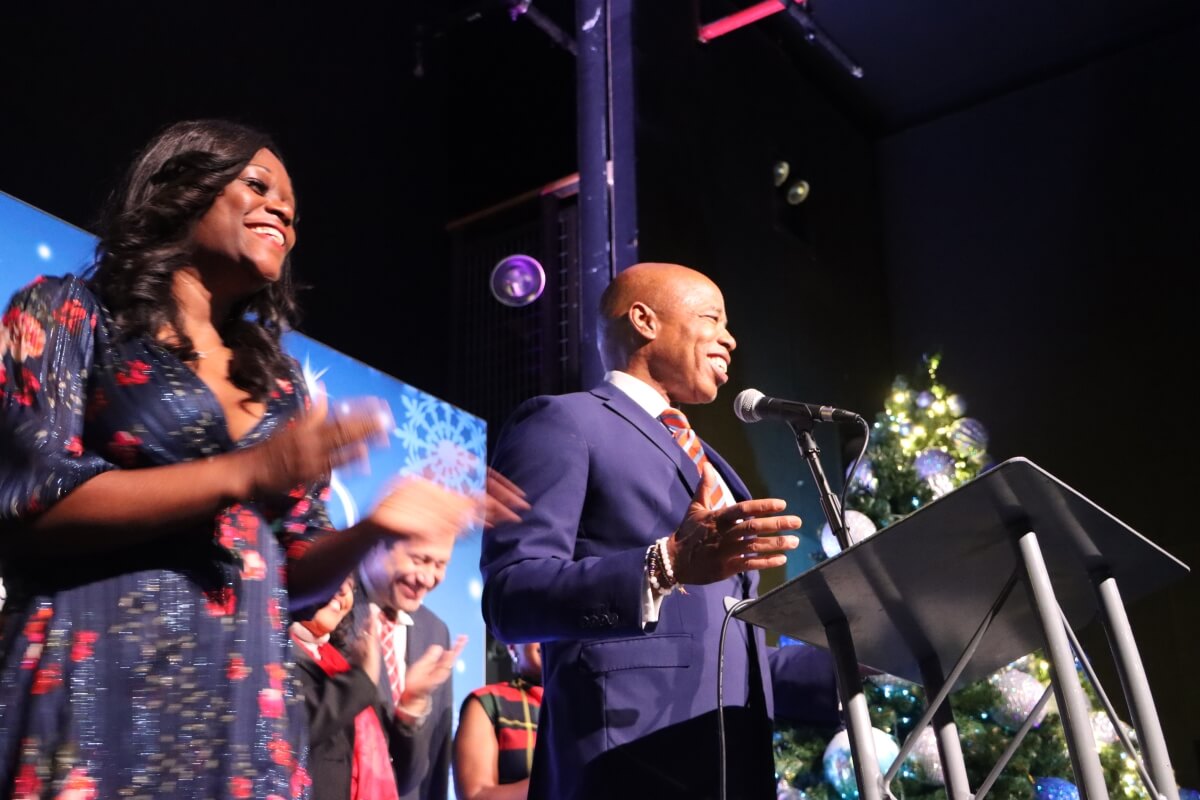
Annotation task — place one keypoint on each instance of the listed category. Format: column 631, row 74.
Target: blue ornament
column 1054, row 789
column 1188, row 794
column 839, row 767
column 864, row 476
column 924, row 400
column 936, row 468
column 969, row 436
column 932, row 463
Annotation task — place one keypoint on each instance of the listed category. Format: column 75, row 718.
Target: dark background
column 1013, row 186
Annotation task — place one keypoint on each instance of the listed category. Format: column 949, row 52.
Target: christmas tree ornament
column 839, row 767
column 936, row 468
column 1054, row 789
column 1019, row 693
column 956, row 405
column 927, row 764
column 924, row 399
column 1102, row 729
column 1188, row 794
column 864, row 477
column 858, row 525
column 969, row 436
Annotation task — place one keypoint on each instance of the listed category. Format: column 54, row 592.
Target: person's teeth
column 269, row 231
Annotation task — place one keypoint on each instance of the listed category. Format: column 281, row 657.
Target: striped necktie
column 679, row 427
column 387, row 646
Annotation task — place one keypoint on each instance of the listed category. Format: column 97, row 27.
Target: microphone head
column 745, row 405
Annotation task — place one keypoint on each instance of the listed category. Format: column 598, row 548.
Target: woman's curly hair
column 145, row 236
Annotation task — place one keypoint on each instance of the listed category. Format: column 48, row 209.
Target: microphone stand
column 852, row 702
column 829, row 501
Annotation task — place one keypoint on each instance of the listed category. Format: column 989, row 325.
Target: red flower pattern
column 28, row 386
column 270, row 703
column 47, row 679
column 240, row 787
column 134, row 373
column 237, row 669
column 27, row 786
column 300, row 781
column 71, row 315
column 124, row 448
column 26, row 336
column 74, row 447
column 281, row 751
column 78, row 786
column 221, row 602
column 82, row 646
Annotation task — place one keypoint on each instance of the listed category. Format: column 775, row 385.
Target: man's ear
column 643, row 320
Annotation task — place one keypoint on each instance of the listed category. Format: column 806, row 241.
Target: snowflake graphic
column 441, row 443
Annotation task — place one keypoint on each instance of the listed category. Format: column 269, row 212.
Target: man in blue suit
column 638, row 537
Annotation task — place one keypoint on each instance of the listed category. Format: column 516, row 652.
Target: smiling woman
column 162, row 492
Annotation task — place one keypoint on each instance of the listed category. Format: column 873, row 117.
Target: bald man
column 629, row 508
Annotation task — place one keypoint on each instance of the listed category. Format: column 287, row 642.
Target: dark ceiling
column 397, row 118
column 925, row 58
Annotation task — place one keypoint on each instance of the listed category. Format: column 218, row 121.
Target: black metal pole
column 829, row 501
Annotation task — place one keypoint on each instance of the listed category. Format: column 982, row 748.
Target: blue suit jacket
column 625, row 709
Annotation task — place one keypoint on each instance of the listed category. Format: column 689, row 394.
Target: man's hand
column 711, row 545
column 427, row 673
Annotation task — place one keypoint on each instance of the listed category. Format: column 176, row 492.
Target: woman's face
column 328, row 617
column 241, row 241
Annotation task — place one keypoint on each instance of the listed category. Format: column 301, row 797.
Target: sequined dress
column 161, row 670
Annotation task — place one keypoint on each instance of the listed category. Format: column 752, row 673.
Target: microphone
column 751, row 405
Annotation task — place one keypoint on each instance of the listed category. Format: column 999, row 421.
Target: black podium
column 930, row 599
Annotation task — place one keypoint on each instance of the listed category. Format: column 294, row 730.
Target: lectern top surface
column 919, row 589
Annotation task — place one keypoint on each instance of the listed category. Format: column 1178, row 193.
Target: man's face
column 690, row 356
column 406, row 570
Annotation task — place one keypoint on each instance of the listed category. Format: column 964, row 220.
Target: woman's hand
column 503, row 501
column 311, row 446
column 418, row 507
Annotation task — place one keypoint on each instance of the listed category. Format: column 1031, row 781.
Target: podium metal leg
column 954, row 769
column 1137, row 688
column 1072, row 704
column 854, row 705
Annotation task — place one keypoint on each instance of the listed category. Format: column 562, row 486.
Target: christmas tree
column 923, row 445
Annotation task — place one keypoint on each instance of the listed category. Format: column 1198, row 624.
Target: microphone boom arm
column 829, row 501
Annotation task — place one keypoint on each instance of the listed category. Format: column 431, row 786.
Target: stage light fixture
column 780, row 172
column 797, row 193
column 518, row 280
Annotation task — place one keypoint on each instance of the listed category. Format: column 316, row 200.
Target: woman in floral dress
column 162, row 478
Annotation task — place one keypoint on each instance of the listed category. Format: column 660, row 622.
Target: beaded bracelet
column 655, row 573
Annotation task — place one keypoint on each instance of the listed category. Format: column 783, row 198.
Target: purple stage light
column 518, row 280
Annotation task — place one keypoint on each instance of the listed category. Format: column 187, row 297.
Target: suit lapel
column 624, row 406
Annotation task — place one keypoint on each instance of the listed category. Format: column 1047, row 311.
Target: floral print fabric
column 161, row 670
